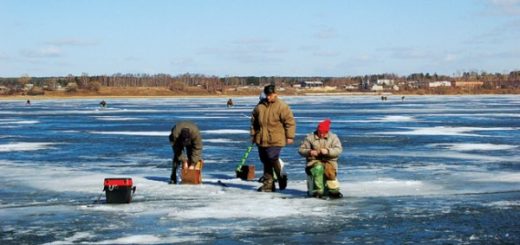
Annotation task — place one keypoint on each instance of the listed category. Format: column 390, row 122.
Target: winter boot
column 282, row 181
column 332, row 189
column 335, row 195
column 268, row 186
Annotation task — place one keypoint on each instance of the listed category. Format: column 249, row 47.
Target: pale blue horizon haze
column 258, row 38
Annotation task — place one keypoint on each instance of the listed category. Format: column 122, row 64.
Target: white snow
column 135, row 133
column 219, row 140
column 225, row 131
column 12, row 121
column 115, row 118
column 26, row 146
column 475, row 146
column 442, row 130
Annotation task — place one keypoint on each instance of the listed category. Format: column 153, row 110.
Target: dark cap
column 269, row 89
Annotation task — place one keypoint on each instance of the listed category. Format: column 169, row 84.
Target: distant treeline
column 214, row 83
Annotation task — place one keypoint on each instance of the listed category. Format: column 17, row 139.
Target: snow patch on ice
column 504, row 204
column 504, row 177
column 151, row 239
column 391, row 187
column 141, row 133
column 26, row 146
column 397, row 119
column 226, row 131
column 442, row 130
column 473, row 147
column 80, row 237
column 438, row 154
column 202, row 117
column 220, row 141
column 69, row 240
column 9, row 121
column 115, row 118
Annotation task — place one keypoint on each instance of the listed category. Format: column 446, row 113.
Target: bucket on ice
column 246, row 172
column 118, row 190
column 192, row 176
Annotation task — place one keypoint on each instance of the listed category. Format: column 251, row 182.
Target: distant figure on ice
column 186, row 143
column 230, row 103
column 402, row 98
column 321, row 150
column 28, row 102
column 272, row 127
column 103, row 103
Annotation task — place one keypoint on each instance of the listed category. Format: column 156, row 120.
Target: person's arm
column 335, row 149
column 253, row 126
column 289, row 124
column 305, row 148
column 196, row 154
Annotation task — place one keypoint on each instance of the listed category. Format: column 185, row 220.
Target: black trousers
column 270, row 159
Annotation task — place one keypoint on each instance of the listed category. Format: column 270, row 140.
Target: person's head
column 270, row 93
column 184, row 138
column 323, row 128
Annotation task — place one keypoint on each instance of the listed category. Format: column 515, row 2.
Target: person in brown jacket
column 185, row 137
column 272, row 127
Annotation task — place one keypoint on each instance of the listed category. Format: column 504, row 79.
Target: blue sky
column 258, row 38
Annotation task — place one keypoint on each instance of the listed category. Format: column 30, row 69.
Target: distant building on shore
column 385, row 82
column 437, row 84
column 311, row 84
column 377, row 88
column 471, row 84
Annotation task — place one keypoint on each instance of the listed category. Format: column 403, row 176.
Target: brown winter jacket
column 272, row 124
column 194, row 151
column 312, row 142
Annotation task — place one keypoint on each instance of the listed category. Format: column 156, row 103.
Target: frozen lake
column 429, row 169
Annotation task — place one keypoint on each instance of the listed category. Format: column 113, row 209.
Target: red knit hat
column 324, row 126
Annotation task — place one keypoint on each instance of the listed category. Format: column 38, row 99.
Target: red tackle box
column 118, row 190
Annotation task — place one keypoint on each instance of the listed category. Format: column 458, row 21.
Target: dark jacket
column 193, row 152
column 272, row 124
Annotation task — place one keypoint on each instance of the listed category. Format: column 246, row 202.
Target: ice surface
column 414, row 165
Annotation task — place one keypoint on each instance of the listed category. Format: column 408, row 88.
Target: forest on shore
column 198, row 84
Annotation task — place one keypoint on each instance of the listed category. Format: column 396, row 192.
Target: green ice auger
column 244, row 158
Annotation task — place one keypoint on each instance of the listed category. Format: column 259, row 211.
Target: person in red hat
column 321, row 150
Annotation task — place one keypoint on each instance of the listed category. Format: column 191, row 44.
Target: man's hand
column 313, row 153
column 324, row 151
column 290, row 141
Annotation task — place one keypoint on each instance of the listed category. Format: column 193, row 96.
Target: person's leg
column 280, row 175
column 277, row 167
column 318, row 180
column 173, row 177
column 269, row 157
column 332, row 188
